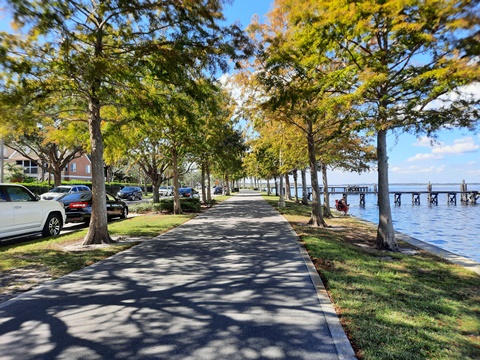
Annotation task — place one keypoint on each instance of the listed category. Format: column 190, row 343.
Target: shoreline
column 444, row 254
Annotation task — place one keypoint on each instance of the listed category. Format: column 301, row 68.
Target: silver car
column 23, row 213
column 61, row 190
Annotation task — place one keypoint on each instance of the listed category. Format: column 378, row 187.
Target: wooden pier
column 465, row 196
column 470, row 197
column 347, row 189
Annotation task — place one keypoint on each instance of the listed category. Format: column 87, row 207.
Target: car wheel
column 131, row 198
column 53, row 225
column 124, row 213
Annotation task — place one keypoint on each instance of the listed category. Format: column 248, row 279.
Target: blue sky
column 453, row 158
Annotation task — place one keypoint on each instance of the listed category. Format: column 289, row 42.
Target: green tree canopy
column 398, row 59
column 98, row 51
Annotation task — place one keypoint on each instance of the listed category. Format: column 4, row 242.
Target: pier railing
column 467, row 197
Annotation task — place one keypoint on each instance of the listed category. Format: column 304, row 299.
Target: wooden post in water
column 463, row 189
column 362, row 199
column 416, row 198
column 429, row 190
column 397, row 199
column 452, row 198
column 473, row 197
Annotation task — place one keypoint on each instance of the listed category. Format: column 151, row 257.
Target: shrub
column 166, row 205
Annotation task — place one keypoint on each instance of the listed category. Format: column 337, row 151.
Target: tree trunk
column 98, row 229
column 227, row 182
column 385, row 233
column 204, row 193
column 156, row 181
column 304, row 187
column 57, row 175
column 268, row 187
column 177, row 208
column 209, row 189
column 295, row 184
column 287, row 186
column 317, row 217
column 326, row 203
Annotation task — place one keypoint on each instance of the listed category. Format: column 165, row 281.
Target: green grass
column 49, row 254
column 392, row 306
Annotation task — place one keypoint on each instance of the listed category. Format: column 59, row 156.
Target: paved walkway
column 232, row 283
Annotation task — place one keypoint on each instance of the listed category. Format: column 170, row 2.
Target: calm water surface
column 455, row 228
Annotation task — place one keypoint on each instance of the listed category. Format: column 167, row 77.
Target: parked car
column 58, row 191
column 188, row 192
column 78, row 207
column 165, row 191
column 23, row 213
column 130, row 193
column 218, row 190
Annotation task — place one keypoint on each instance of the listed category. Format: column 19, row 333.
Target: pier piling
column 362, row 199
column 416, row 198
column 452, row 198
column 463, row 190
column 397, row 199
column 433, row 198
column 473, row 197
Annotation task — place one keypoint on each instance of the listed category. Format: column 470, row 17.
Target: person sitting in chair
column 341, row 205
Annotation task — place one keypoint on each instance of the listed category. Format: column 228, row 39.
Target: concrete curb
column 445, row 254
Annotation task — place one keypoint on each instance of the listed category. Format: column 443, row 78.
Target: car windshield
column 60, row 189
column 128, row 189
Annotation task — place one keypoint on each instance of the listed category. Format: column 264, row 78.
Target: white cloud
column 460, row 146
column 422, row 157
column 425, row 141
column 468, row 92
column 417, row 170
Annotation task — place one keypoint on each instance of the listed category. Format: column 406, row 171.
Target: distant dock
column 470, row 197
column 432, row 197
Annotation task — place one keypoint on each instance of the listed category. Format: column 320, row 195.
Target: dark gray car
column 78, row 207
column 130, row 193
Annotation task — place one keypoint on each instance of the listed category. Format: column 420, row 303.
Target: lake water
column 455, row 228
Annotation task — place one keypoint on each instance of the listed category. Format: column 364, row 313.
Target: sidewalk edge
column 340, row 339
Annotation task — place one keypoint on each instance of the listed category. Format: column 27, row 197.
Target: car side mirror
column 37, row 198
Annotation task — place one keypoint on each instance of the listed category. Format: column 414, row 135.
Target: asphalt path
column 232, row 283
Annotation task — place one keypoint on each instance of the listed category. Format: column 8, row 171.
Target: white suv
column 166, row 191
column 23, row 213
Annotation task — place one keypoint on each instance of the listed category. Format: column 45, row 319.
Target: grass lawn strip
column 392, row 305
column 24, row 266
